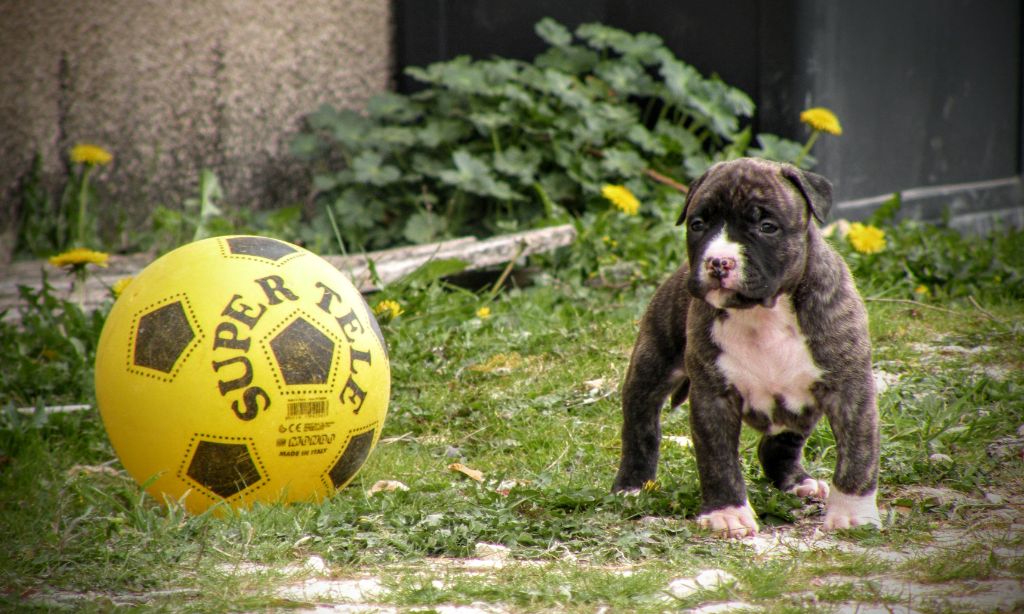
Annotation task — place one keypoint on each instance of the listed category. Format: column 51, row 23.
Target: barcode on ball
column 307, row 408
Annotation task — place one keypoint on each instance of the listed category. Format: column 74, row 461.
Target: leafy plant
column 50, row 351
column 496, row 145
column 48, row 227
column 199, row 218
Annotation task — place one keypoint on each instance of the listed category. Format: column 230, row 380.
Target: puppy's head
column 747, row 223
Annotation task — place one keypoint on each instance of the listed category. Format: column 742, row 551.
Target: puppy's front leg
column 851, row 501
column 649, row 381
column 715, row 424
column 656, row 370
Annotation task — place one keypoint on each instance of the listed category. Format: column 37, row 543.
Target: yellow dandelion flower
column 93, row 155
column 922, row 290
column 390, row 308
column 120, row 285
column 650, row 486
column 483, row 313
column 622, row 198
column 820, row 118
column 80, row 257
column 866, row 239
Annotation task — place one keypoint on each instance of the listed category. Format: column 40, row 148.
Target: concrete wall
column 173, row 87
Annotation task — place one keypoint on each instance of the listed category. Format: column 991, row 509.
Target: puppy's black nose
column 719, row 268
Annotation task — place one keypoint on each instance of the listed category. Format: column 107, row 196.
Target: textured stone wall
column 173, row 87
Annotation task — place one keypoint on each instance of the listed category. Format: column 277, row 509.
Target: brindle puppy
column 763, row 326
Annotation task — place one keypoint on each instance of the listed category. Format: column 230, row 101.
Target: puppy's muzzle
column 719, row 268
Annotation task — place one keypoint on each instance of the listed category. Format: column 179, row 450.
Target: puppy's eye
column 697, row 225
column 769, row 228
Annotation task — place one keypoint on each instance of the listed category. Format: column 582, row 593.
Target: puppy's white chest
column 765, row 356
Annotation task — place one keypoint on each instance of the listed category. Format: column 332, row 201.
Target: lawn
column 526, row 392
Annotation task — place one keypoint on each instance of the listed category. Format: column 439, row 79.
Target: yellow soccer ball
column 241, row 369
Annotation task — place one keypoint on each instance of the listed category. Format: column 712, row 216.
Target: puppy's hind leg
column 780, row 457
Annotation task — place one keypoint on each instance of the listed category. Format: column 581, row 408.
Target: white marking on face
column 722, row 247
column 731, row 521
column 765, row 355
column 843, row 511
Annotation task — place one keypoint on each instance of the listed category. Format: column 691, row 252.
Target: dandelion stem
column 549, row 205
column 83, row 200
column 807, row 147
column 78, row 285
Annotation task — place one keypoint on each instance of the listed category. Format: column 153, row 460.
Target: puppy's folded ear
column 694, row 186
column 816, row 190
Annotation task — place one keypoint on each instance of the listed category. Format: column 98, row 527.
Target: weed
column 496, row 145
column 49, row 354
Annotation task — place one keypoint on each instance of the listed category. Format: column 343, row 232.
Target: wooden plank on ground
column 391, row 264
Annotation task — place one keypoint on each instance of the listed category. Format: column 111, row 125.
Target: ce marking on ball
column 304, row 427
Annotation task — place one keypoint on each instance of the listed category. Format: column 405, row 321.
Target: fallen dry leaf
column 499, row 363
column 466, row 471
column 387, row 486
column 93, row 470
column 506, row 486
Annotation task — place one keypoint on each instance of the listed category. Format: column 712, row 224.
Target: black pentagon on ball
column 271, row 249
column 223, row 468
column 161, row 337
column 352, row 459
column 303, row 353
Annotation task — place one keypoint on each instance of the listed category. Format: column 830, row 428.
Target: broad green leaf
column 738, row 148
column 390, row 137
column 644, row 47
column 369, row 167
column 469, row 166
column 553, row 33
column 393, row 107
column 573, row 60
column 428, row 165
column 696, row 165
column 775, row 148
column 559, row 186
column 349, row 128
column 322, row 118
column 679, row 78
column 642, row 138
column 424, row 227
column 474, row 175
column 623, row 162
column 601, row 36
column 739, row 102
column 433, row 270
column 519, row 163
column 677, row 139
column 305, row 145
column 441, row 131
column 487, row 121
column 324, row 183
column 565, row 88
column 624, row 79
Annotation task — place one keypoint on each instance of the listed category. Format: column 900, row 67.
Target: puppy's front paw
column 733, row 521
column 844, row 511
column 814, row 489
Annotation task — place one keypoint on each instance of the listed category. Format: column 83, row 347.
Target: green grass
column 529, row 394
